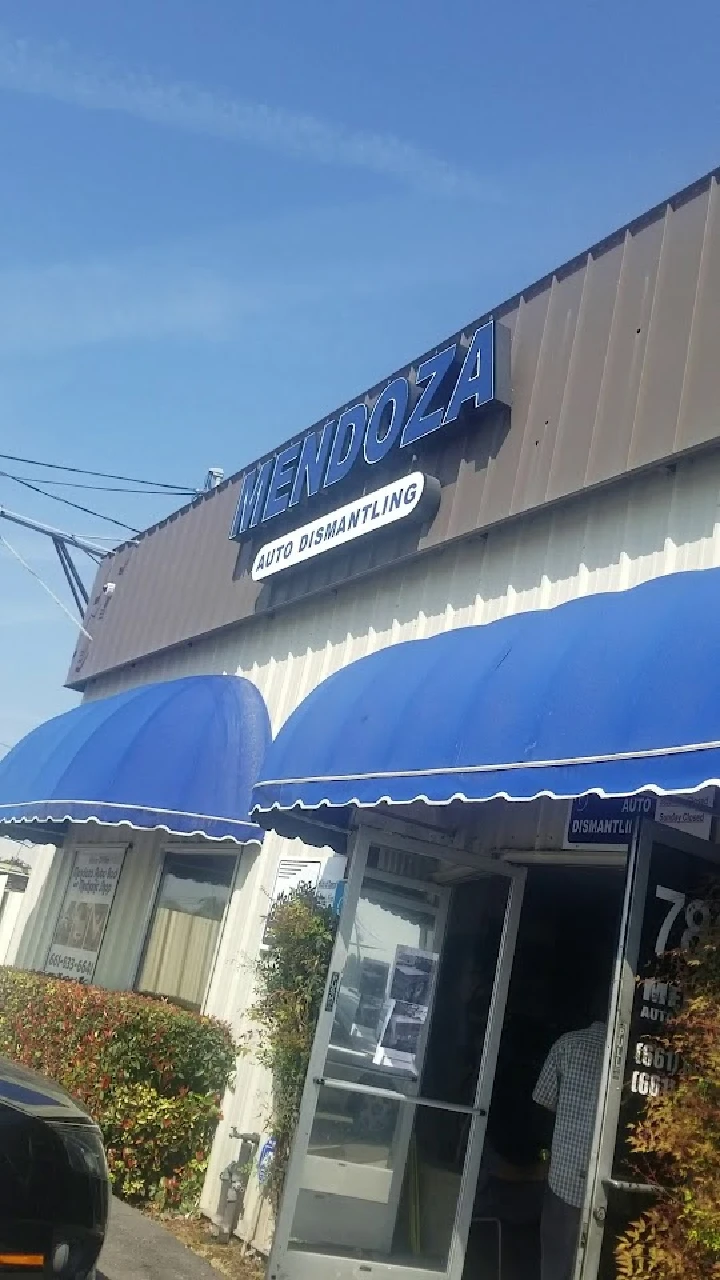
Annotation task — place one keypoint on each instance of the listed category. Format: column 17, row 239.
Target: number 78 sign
column 693, row 918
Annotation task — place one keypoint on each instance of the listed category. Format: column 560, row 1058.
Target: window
column 191, row 901
column 291, row 873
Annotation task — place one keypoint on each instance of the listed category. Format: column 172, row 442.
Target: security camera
column 108, row 588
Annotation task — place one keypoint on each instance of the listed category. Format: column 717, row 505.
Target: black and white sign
column 405, row 1012
column 676, row 914
column 84, row 915
column 389, row 505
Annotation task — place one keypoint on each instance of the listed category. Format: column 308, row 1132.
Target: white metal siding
column 648, row 526
column 10, row 905
column 38, row 913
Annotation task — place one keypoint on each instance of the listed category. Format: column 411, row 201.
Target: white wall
column 652, row 525
column 18, row 921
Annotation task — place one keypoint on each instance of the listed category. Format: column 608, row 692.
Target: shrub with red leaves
column 152, row 1075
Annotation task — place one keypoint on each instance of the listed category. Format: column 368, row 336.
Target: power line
column 88, row 511
column 99, row 475
column 4, row 542
column 100, row 488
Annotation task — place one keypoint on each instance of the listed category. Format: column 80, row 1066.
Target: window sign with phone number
column 83, row 918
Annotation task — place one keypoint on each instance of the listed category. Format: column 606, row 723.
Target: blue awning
column 612, row 694
column 181, row 756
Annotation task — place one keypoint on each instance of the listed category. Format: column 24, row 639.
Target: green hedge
column 152, row 1075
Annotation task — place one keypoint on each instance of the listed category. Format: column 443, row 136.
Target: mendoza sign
column 427, row 398
column 411, row 496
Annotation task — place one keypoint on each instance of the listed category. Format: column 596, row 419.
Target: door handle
column 372, row 1091
column 636, row 1188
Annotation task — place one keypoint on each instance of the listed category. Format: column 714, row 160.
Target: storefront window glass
column 186, row 924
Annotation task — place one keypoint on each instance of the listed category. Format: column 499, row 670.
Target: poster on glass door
column 84, row 914
column 405, row 1011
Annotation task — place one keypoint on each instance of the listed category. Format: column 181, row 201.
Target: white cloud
column 209, row 290
column 53, row 72
column 80, row 303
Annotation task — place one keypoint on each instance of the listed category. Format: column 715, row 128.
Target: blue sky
column 220, row 219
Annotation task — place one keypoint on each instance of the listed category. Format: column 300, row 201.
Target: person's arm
column 547, row 1089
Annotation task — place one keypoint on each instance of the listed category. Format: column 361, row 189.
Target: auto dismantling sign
column 394, row 502
column 595, row 822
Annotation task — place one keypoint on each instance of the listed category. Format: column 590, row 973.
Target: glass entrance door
column 389, row 1145
column 666, row 909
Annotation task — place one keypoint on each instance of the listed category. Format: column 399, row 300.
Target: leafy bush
column 291, row 974
column 152, row 1075
column 677, row 1141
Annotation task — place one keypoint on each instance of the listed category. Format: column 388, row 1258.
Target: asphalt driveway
column 138, row 1249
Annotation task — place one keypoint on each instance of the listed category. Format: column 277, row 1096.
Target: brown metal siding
column 654, row 432
column 615, row 367
column 700, row 402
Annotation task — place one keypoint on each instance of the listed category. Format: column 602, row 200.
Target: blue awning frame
column 179, row 756
column 614, row 694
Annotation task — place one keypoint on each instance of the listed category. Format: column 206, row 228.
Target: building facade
column 565, row 445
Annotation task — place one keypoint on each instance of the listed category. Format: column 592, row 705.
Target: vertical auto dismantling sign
column 84, row 915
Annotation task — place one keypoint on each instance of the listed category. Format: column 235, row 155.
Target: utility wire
column 99, row 475
column 98, row 488
column 44, row 585
column 66, row 501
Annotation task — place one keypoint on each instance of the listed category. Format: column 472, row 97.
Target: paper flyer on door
column 410, row 989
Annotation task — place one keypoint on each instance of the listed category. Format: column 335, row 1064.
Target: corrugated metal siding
column 652, row 524
column 614, row 368
column 41, row 904
column 10, row 908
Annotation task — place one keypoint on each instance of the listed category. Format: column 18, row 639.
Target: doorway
column 670, row 883
column 420, row 1153
column 565, row 953
column 388, row 1146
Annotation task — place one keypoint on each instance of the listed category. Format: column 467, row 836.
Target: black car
column 54, row 1184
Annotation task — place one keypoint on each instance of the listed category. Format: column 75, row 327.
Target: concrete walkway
column 138, row 1249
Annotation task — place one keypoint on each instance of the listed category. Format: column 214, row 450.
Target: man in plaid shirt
column 569, row 1086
